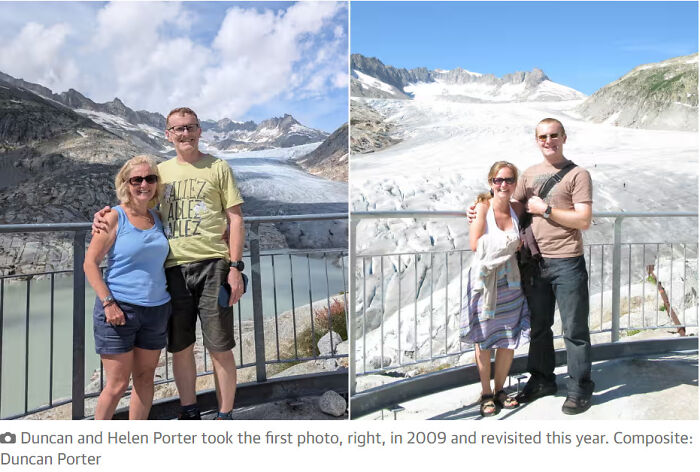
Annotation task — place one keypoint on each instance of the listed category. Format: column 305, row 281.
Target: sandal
column 487, row 405
column 505, row 401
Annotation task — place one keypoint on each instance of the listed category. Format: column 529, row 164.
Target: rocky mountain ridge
column 662, row 95
column 146, row 128
column 330, row 159
column 370, row 78
column 278, row 132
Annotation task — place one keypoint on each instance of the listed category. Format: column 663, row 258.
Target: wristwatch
column 108, row 300
column 237, row 265
column 548, row 212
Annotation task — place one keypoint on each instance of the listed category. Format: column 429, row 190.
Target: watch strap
column 239, row 265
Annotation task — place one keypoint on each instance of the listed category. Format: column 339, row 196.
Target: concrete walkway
column 304, row 408
column 663, row 387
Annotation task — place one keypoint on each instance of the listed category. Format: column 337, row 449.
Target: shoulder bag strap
column 555, row 179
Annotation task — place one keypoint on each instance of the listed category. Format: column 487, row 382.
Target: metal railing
column 432, row 284
column 278, row 278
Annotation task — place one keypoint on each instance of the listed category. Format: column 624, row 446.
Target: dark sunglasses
column 500, row 180
column 150, row 179
column 543, row 137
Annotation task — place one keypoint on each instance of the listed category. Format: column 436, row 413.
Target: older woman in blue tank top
column 132, row 306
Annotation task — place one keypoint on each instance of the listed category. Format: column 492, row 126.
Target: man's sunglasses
column 150, row 179
column 500, row 180
column 543, row 137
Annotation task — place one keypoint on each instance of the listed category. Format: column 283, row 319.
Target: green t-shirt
column 193, row 208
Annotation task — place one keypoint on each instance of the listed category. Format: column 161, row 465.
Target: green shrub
column 308, row 340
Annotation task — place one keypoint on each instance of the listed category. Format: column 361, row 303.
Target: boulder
column 326, row 347
column 332, row 403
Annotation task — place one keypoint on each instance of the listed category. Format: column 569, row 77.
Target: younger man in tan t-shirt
column 562, row 277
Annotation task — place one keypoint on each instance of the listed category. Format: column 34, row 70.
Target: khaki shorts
column 194, row 291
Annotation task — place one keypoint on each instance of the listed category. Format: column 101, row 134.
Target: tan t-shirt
column 555, row 240
column 193, row 208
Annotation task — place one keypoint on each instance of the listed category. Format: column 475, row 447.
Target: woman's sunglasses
column 500, row 180
column 150, row 179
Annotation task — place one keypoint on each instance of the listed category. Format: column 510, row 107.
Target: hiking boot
column 533, row 391
column 224, row 416
column 575, row 405
column 189, row 414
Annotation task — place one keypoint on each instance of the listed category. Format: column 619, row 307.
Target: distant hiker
column 495, row 313
column 132, row 307
column 200, row 203
column 561, row 276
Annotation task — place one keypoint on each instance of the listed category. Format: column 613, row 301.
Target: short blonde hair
column 549, row 121
column 180, row 111
column 121, row 181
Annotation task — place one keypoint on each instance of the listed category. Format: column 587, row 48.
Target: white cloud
column 151, row 62
column 157, row 55
column 136, row 25
column 259, row 53
column 35, row 54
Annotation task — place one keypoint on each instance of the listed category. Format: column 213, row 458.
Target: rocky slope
column 56, row 165
column 661, row 95
column 368, row 130
column 330, row 159
column 49, row 156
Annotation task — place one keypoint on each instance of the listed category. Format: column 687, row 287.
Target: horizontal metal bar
column 462, row 214
column 87, row 226
column 284, row 251
column 407, row 214
column 443, row 251
column 45, row 227
column 286, row 218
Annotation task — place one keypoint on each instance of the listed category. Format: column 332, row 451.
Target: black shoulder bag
column 529, row 254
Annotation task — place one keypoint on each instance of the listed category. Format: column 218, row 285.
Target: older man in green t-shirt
column 200, row 203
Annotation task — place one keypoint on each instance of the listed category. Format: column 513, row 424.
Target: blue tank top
column 135, row 261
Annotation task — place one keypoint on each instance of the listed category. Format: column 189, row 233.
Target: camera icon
column 8, row 438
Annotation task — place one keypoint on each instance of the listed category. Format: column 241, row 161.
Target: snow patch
column 369, row 81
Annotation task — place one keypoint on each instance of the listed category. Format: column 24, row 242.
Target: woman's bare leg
column 504, row 359
column 483, row 363
column 118, row 370
column 144, row 367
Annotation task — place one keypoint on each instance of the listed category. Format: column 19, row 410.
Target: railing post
column 78, row 326
column 352, row 302
column 256, row 287
column 616, row 274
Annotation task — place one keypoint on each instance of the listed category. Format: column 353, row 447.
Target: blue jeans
column 564, row 281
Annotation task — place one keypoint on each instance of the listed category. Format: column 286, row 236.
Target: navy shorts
column 146, row 328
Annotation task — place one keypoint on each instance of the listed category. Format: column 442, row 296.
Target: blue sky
column 583, row 45
column 237, row 60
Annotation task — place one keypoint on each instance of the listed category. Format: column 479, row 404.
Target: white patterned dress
column 509, row 326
